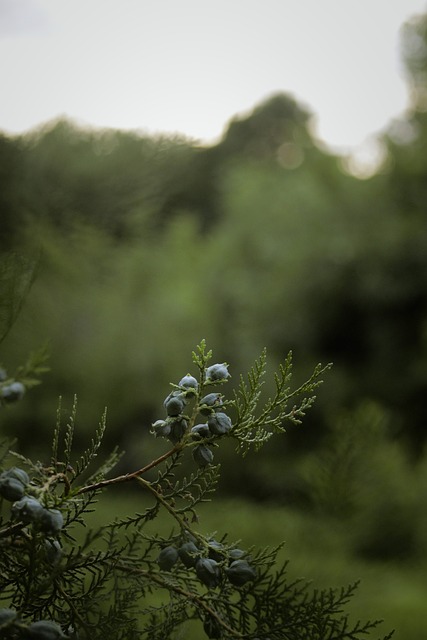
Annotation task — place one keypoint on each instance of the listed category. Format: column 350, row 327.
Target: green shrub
column 364, row 479
column 154, row 572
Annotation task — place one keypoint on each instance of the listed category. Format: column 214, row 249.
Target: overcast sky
column 188, row 66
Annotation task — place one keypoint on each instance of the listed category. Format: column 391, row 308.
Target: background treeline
column 131, row 248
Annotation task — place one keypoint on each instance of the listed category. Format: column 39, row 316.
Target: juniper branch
column 190, row 595
column 127, row 477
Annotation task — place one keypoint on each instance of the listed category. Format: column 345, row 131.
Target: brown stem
column 164, row 502
column 130, row 476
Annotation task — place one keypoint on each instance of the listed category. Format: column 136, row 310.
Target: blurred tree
column 402, row 309
column 277, row 128
column 414, row 53
column 100, row 177
column 407, row 136
column 12, row 188
column 257, row 240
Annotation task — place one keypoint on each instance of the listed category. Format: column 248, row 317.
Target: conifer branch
column 95, row 584
column 189, row 595
column 127, row 477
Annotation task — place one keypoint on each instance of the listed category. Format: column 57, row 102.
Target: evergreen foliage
column 127, row 579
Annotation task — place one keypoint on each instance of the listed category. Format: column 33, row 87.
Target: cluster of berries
column 210, row 406
column 14, row 483
column 14, row 487
column 10, row 390
column 211, row 565
column 40, row 630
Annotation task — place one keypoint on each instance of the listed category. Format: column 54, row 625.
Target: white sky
column 188, row 66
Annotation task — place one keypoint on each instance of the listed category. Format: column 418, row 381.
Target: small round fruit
column 236, row 554
column 189, row 554
column 167, row 558
column 51, row 521
column 210, row 403
column 11, row 489
column 12, row 392
column 202, row 455
column 219, row 423
column 27, row 510
column 216, row 550
column 7, row 615
column 161, row 429
column 175, row 403
column 189, row 382
column 217, row 372
column 44, row 630
column 178, row 429
column 17, row 473
column 240, row 572
column 208, row 572
column 200, row 431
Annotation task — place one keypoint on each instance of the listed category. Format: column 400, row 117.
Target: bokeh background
column 127, row 248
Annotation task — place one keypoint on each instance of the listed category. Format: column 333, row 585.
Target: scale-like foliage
column 126, row 580
column 256, row 424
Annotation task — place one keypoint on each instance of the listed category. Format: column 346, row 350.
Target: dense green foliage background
column 139, row 246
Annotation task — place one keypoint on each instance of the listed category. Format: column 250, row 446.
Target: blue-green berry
column 202, row 455
column 216, row 550
column 240, row 572
column 217, row 372
column 189, row 554
column 161, row 428
column 219, row 423
column 17, row 473
column 208, row 572
column 175, row 403
column 12, row 392
column 236, row 554
column 210, row 403
column 189, row 382
column 200, row 431
column 51, row 521
column 178, row 429
column 11, row 489
column 7, row 616
column 27, row 510
column 167, row 558
column 44, row 630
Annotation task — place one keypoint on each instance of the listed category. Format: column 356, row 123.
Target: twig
column 130, row 476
